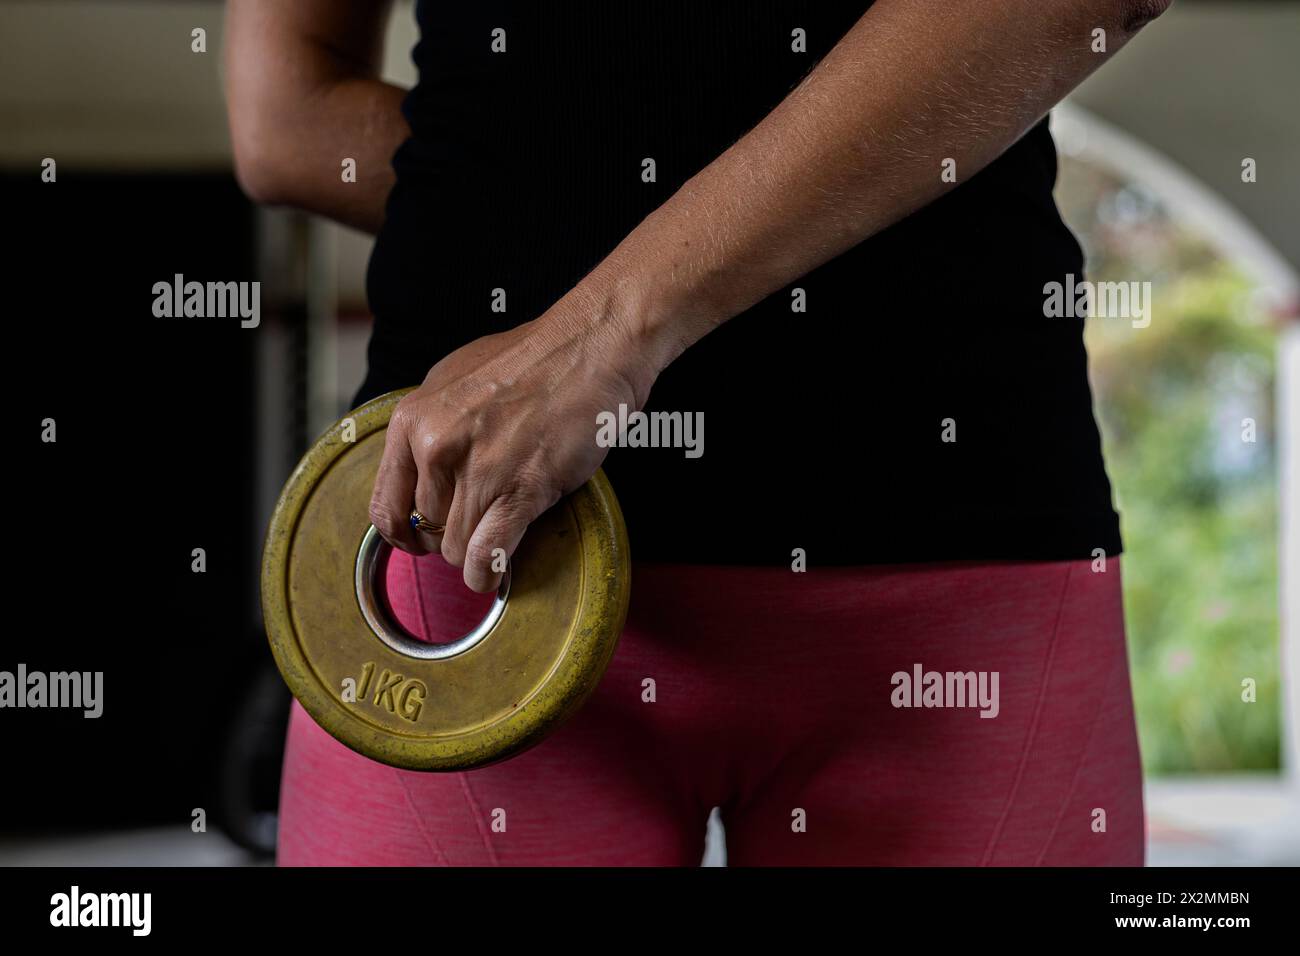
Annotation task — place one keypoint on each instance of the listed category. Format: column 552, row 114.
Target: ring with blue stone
column 420, row 523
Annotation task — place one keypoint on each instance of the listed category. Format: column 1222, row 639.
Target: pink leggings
column 778, row 697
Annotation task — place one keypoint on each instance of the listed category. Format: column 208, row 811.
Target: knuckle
column 532, row 495
column 480, row 555
column 432, row 453
column 453, row 551
column 404, row 417
column 385, row 519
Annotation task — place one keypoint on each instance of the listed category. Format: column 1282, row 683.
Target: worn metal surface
column 534, row 667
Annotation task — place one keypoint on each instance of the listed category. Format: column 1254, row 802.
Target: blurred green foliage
column 1198, row 502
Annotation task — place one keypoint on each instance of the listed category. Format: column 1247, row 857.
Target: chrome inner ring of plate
column 377, row 617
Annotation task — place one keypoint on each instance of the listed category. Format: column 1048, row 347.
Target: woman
column 876, row 617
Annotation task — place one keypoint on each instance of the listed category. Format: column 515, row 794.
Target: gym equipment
column 493, row 693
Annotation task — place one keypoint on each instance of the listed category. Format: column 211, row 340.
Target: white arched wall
column 1084, row 136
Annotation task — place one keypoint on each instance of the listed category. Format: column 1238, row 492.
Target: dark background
column 155, row 457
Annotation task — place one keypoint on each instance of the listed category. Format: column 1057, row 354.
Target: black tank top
column 921, row 407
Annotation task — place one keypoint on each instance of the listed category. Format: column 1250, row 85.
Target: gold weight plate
column 567, row 601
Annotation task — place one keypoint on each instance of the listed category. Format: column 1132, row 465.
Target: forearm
column 305, row 96
column 858, row 145
column 358, row 119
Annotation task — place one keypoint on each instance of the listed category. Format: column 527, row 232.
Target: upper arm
column 279, row 55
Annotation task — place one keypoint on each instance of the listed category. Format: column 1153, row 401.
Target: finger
column 433, row 500
column 394, row 492
column 494, row 541
column 433, row 495
column 436, row 455
column 468, row 502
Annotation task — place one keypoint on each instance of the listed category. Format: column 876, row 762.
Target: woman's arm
column 503, row 427
column 302, row 82
column 853, row 149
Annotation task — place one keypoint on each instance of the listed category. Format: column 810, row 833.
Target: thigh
column 579, row 798
column 886, row 778
column 590, row 794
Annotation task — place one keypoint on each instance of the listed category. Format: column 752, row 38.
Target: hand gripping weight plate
column 492, row 694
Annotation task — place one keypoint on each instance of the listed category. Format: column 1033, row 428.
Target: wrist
column 644, row 301
column 621, row 325
column 644, row 304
